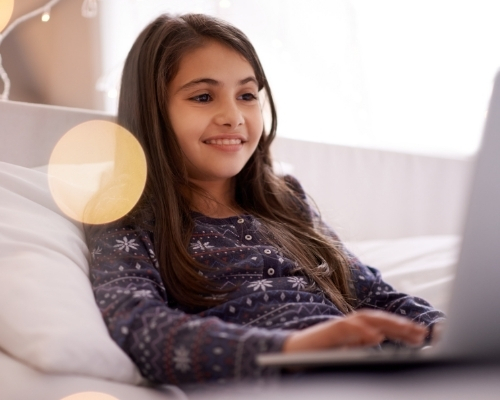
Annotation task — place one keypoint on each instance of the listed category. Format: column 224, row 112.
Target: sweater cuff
column 258, row 341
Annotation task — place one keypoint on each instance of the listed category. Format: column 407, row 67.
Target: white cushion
column 48, row 315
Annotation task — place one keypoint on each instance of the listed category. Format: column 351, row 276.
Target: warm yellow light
column 45, row 16
column 6, row 8
column 90, row 396
column 97, row 172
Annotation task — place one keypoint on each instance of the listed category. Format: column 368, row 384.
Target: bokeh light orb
column 6, row 9
column 97, row 172
column 90, row 396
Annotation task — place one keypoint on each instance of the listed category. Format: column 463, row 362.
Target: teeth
column 223, row 141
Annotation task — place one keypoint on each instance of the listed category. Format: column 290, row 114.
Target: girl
column 222, row 259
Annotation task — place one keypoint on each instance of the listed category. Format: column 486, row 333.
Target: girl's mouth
column 223, row 142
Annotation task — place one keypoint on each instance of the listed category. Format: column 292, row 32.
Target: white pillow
column 48, row 315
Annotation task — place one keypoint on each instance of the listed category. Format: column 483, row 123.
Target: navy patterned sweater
column 170, row 345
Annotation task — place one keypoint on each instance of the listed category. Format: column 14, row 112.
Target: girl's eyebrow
column 213, row 82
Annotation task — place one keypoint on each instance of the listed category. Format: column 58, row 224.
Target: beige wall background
column 56, row 62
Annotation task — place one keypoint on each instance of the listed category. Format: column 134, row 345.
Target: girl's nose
column 229, row 114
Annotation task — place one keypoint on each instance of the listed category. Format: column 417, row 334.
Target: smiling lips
column 227, row 143
column 224, row 142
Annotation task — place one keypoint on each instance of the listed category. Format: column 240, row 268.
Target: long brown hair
column 151, row 65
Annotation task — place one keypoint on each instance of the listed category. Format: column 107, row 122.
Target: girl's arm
column 370, row 289
column 373, row 293
column 167, row 345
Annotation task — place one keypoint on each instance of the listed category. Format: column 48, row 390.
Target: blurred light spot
column 112, row 93
column 6, row 8
column 97, row 172
column 224, row 3
column 277, row 44
column 363, row 115
column 46, row 16
column 90, row 396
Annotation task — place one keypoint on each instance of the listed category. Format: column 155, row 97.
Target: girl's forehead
column 214, row 60
column 211, row 47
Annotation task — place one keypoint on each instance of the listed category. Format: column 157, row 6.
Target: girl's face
column 215, row 112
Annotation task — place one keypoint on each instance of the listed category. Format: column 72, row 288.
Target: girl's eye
column 248, row 97
column 202, row 98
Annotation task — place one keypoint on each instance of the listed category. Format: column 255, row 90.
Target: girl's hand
column 362, row 328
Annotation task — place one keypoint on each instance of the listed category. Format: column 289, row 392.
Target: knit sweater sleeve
column 374, row 293
column 167, row 345
column 370, row 289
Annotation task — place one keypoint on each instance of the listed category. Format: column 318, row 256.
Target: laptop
column 472, row 330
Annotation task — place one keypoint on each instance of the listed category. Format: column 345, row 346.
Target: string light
column 46, row 15
column 109, row 83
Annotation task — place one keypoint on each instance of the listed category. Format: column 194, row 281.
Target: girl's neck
column 219, row 200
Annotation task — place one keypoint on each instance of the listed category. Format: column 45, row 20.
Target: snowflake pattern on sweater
column 169, row 345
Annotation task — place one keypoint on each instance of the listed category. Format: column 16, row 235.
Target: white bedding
column 51, row 333
column 19, row 381
column 48, row 316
